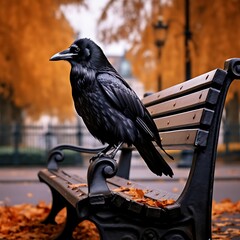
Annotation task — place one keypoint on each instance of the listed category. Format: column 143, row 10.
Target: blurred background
column 154, row 44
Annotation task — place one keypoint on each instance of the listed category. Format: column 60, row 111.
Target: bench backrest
column 184, row 113
column 188, row 113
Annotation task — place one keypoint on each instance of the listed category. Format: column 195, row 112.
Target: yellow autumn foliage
column 30, row 32
column 215, row 37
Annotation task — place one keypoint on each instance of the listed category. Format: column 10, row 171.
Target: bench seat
column 76, row 189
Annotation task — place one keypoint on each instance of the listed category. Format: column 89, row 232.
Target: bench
column 188, row 116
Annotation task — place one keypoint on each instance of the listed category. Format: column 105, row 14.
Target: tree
column 214, row 36
column 133, row 23
column 31, row 31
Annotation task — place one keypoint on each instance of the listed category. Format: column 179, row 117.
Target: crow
column 110, row 109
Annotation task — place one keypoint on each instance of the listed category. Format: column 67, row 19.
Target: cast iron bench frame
column 188, row 115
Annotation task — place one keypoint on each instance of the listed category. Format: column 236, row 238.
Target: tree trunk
column 9, row 115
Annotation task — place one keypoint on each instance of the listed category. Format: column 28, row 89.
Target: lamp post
column 160, row 32
column 186, row 155
column 188, row 36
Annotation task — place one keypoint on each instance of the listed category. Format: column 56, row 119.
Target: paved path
column 21, row 185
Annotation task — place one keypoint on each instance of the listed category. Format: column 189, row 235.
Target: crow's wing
column 125, row 100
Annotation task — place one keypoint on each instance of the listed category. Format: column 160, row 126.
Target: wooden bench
column 188, row 116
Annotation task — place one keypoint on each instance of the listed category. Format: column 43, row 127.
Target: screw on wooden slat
column 168, row 122
column 181, row 87
column 200, row 96
column 174, row 104
column 158, row 96
column 194, row 116
column 188, row 136
column 207, row 77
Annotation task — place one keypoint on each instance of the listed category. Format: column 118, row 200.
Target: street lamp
column 188, row 37
column 186, row 155
column 160, row 33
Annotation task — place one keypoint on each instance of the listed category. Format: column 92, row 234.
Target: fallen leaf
column 23, row 222
column 138, row 195
column 77, row 185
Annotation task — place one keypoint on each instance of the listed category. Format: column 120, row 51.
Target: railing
column 29, row 144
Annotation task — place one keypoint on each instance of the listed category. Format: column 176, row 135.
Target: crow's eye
column 74, row 49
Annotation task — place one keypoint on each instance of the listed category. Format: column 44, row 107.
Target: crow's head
column 84, row 52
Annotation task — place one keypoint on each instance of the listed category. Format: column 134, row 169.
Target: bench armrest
column 99, row 170
column 56, row 154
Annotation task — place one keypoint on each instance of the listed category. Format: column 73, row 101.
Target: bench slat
column 62, row 183
column 153, row 193
column 193, row 118
column 189, row 101
column 216, row 77
column 122, row 199
column 184, row 139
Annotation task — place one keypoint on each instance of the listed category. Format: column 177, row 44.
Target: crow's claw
column 101, row 154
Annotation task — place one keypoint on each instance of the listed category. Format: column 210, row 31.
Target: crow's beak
column 64, row 55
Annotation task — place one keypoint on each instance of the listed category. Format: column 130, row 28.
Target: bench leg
column 72, row 221
column 58, row 204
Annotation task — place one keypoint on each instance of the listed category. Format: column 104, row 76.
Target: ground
column 23, row 221
column 21, row 212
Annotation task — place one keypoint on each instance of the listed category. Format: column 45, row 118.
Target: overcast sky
column 84, row 22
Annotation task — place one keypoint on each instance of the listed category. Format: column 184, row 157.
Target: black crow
column 108, row 106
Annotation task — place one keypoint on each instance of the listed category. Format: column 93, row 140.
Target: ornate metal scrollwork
column 100, row 169
column 150, row 234
column 236, row 68
column 56, row 155
column 175, row 235
column 233, row 67
column 54, row 158
column 128, row 237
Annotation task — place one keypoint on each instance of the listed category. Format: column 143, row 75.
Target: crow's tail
column 153, row 159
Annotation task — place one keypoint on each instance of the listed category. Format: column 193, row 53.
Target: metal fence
column 27, row 144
